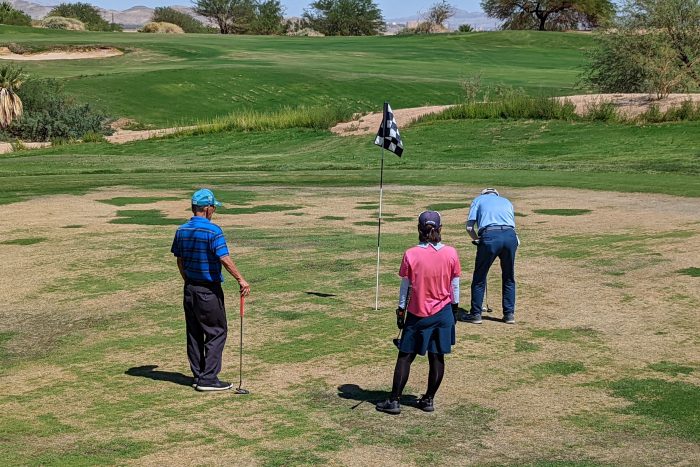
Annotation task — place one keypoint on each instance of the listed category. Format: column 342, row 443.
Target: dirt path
column 369, row 123
column 102, row 52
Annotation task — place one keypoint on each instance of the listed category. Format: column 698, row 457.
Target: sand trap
column 369, row 123
column 630, row 105
column 103, row 52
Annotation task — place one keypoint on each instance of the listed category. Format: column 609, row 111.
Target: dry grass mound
column 161, row 28
column 60, row 22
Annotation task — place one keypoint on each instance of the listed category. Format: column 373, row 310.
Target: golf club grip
column 242, row 306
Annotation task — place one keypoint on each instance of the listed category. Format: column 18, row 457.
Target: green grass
column 447, row 206
column 562, row 368
column 24, row 241
column 332, row 218
column 562, row 212
column 672, row 403
column 565, row 335
column 673, row 369
column 522, row 345
column 692, row 272
column 126, row 200
column 144, row 217
column 166, row 80
column 260, row 208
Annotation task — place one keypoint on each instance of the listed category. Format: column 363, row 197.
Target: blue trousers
column 494, row 244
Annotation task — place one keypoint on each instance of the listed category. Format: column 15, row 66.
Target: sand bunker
column 629, row 105
column 102, row 52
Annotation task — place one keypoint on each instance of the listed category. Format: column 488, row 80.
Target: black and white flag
column 388, row 135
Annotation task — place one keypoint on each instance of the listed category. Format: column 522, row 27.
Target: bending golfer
column 431, row 270
column 201, row 250
column 494, row 218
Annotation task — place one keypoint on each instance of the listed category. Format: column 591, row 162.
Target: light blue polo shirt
column 491, row 209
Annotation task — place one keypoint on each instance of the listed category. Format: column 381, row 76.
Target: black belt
column 202, row 283
column 495, row 227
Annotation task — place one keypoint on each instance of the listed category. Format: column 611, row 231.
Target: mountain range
column 138, row 15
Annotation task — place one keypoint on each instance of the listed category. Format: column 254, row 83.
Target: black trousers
column 205, row 319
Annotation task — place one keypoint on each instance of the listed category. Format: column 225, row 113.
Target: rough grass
column 692, row 272
column 143, row 217
column 562, row 212
column 24, row 241
column 317, row 355
column 126, row 200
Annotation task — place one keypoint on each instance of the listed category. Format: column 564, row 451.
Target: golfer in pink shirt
column 431, row 271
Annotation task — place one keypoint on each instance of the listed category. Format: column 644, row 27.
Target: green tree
column 549, row 14
column 9, row 15
column 232, row 16
column 440, row 12
column 345, row 17
column 654, row 46
column 86, row 13
column 268, row 18
column 185, row 21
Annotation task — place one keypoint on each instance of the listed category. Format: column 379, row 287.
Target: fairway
column 601, row 369
column 179, row 80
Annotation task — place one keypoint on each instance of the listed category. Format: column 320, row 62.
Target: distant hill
column 477, row 19
column 138, row 15
column 134, row 17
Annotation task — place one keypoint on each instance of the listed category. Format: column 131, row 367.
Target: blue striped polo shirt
column 201, row 245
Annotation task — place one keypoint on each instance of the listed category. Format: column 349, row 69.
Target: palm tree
column 11, row 78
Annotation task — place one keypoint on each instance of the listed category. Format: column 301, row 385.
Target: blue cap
column 203, row 198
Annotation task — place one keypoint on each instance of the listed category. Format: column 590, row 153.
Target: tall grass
column 319, row 118
column 518, row 106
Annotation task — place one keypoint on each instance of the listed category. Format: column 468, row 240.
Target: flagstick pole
column 381, row 192
column 379, row 227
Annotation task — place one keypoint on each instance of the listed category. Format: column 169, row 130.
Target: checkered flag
column 388, row 135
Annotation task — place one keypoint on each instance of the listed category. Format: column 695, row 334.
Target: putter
column 486, row 296
column 239, row 389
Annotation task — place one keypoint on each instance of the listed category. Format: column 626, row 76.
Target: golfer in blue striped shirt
column 201, row 251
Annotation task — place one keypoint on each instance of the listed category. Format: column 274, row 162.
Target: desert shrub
column 186, row 22
column 9, row 15
column 86, row 13
column 161, row 28
column 93, row 137
column 60, row 22
column 50, row 114
column 602, row 112
column 305, row 32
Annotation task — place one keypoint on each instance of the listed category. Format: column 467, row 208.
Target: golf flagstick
column 239, row 389
column 379, row 218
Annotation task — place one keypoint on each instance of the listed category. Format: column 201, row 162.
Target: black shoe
column 195, row 382
column 425, row 403
column 389, row 406
column 470, row 318
column 509, row 318
column 215, row 386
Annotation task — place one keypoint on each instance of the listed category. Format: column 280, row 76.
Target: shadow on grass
column 356, row 393
column 149, row 371
column 321, row 294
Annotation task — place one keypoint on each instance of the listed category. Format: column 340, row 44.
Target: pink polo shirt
column 430, row 271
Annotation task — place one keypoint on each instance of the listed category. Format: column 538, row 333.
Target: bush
column 49, row 114
column 162, row 28
column 12, row 17
column 185, row 21
column 465, row 28
column 86, row 13
column 60, row 22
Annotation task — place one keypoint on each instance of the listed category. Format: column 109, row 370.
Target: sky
column 390, row 8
